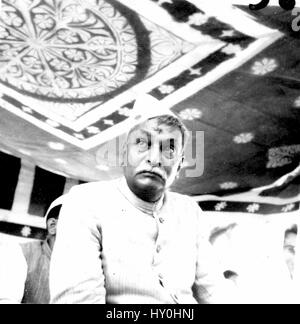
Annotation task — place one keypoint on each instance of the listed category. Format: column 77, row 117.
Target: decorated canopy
column 70, row 71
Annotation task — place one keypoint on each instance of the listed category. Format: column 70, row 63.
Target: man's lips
column 151, row 174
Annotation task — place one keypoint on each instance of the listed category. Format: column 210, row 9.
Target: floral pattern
column 253, row 208
column 190, row 114
column 281, row 156
column 232, row 49
column 264, row 66
column 66, row 58
column 228, row 33
column 243, row 138
column 56, row 146
column 288, row 208
column 93, row 130
column 26, row 231
column 125, row 112
column 228, row 185
column 166, row 89
column 198, row 19
column 221, row 206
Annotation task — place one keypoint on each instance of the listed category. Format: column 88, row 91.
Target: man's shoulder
column 183, row 200
column 92, row 189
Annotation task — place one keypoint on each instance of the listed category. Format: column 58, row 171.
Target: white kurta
column 113, row 248
column 13, row 273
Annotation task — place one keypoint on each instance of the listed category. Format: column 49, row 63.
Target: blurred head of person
column 51, row 223
column 290, row 247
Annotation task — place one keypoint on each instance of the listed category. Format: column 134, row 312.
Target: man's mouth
column 152, row 174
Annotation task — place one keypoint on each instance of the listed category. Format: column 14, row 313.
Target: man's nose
column 155, row 156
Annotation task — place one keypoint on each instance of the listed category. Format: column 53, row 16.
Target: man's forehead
column 154, row 128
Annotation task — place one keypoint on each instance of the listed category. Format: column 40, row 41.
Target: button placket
column 158, row 245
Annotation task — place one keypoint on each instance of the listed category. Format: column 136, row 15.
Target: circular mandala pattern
column 66, row 49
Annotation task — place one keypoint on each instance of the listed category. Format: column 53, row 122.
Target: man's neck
column 147, row 195
column 144, row 204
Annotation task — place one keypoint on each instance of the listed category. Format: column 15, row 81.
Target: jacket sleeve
column 210, row 285
column 76, row 274
column 13, row 274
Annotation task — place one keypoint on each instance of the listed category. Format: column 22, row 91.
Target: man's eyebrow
column 150, row 135
column 144, row 132
column 171, row 140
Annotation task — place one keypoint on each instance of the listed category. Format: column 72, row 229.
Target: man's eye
column 142, row 143
column 169, row 151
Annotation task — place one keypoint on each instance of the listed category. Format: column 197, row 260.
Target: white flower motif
column 195, row 71
column 166, row 89
column 68, row 36
column 27, row 110
column 190, row 114
column 62, row 83
column 74, row 55
column 96, row 74
column 8, row 52
column 281, row 156
column 109, row 122
column 16, row 22
column 244, row 138
column 52, row 123
column 228, row 33
column 253, row 208
column 198, row 19
column 26, row 231
column 264, row 66
column 44, row 21
column 125, row 112
column 75, row 13
column 221, row 206
column 60, row 65
column 102, row 45
column 297, row 103
column 232, row 49
column 56, row 146
column 228, row 185
column 93, row 130
column 288, row 208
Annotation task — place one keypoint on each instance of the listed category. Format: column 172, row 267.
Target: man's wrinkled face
column 154, row 155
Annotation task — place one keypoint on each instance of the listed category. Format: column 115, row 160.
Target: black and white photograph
column 150, row 154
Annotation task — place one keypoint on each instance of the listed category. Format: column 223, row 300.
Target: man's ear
column 180, row 164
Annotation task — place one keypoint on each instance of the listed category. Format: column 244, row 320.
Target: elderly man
column 131, row 241
column 38, row 256
column 24, row 268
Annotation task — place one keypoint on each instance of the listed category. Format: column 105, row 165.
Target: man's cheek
column 134, row 160
column 169, row 168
